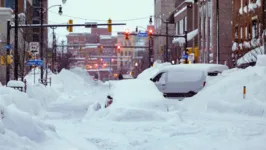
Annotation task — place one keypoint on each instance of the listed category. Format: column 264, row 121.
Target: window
column 176, row 28
column 241, row 33
column 10, row 4
column 246, row 32
column 35, row 37
column 181, row 26
column 236, row 32
column 36, row 3
column 186, row 23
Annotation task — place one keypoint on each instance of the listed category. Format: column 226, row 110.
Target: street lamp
column 136, row 64
column 41, row 41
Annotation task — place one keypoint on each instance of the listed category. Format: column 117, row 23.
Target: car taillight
column 204, row 83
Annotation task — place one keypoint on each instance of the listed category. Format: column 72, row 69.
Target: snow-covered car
column 179, row 81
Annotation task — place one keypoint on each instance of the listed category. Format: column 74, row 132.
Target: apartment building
column 248, row 24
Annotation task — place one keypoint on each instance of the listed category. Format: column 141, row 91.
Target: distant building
column 87, row 49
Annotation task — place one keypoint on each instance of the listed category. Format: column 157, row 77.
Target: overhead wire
column 81, row 18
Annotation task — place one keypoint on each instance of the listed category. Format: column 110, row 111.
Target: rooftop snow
column 190, row 36
column 180, row 11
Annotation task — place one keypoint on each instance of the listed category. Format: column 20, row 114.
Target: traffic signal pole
column 16, row 26
column 8, row 53
column 166, row 45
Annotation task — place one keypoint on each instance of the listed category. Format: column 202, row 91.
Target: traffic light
column 101, row 49
column 3, row 60
column 150, row 21
column 127, row 35
column 109, row 25
column 118, row 47
column 29, row 55
column 150, row 33
column 70, row 28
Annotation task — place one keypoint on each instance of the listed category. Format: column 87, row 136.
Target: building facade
column 248, row 24
column 89, row 49
column 221, row 31
column 184, row 19
column 162, row 11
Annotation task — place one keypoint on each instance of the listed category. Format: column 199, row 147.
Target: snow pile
column 261, row 60
column 134, row 100
column 235, row 46
column 150, row 72
column 14, row 83
column 226, row 96
column 19, row 126
column 251, row 56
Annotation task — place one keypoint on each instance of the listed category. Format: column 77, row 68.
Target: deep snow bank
column 226, row 95
column 19, row 122
column 134, row 100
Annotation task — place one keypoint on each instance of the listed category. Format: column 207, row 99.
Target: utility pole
column 16, row 58
column 167, row 56
column 53, row 50
column 8, row 53
column 208, row 32
column 41, row 41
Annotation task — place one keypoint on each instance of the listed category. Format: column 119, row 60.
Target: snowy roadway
column 181, row 131
column 62, row 117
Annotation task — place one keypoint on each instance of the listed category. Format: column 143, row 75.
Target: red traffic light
column 150, row 31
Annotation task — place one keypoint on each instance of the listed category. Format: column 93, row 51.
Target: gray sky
column 100, row 11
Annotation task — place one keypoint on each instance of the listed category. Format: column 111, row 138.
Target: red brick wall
column 100, row 31
column 225, row 32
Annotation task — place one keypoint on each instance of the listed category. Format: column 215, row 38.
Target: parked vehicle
column 209, row 69
column 179, row 81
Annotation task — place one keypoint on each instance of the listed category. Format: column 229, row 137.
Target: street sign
column 142, row 34
column 90, row 24
column 8, row 46
column 185, row 56
column 35, row 62
column 191, row 57
column 34, row 47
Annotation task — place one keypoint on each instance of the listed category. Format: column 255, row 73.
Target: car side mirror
column 151, row 79
column 109, row 97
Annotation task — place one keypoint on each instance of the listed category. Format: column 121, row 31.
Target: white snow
column 261, row 60
column 252, row 6
column 258, row 2
column 14, row 83
column 241, row 10
column 251, row 56
column 190, row 36
column 149, row 73
column 235, row 46
column 63, row 116
column 180, row 11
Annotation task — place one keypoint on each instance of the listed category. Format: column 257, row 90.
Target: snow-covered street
column 63, row 116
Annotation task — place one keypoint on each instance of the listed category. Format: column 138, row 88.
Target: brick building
column 184, row 19
column 162, row 10
column 221, row 31
column 86, row 47
column 248, row 23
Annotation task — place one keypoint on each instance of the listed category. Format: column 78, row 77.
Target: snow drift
column 226, row 95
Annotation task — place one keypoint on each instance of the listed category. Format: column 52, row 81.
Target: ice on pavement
column 61, row 117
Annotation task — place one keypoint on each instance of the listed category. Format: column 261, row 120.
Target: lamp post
column 166, row 22
column 60, row 12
